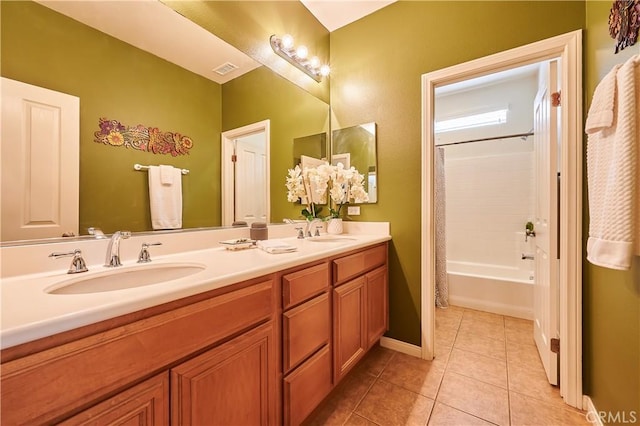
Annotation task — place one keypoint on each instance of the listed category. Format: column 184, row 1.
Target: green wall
column 118, row 81
column 262, row 94
column 376, row 67
column 611, row 304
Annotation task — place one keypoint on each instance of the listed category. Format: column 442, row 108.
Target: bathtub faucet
column 527, row 257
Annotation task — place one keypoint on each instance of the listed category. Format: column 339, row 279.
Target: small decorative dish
column 238, row 244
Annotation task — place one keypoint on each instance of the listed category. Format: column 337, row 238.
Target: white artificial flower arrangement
column 310, row 185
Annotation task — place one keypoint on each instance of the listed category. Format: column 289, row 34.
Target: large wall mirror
column 356, row 147
column 117, row 81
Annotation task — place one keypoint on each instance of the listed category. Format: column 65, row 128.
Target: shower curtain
column 442, row 287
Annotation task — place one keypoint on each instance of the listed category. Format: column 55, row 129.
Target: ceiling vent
column 225, row 68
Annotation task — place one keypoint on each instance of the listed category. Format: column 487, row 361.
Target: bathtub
column 491, row 288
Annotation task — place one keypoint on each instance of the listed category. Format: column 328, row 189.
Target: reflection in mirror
column 312, row 146
column 356, row 147
column 136, row 87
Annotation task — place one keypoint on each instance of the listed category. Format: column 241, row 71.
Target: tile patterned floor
column 487, row 371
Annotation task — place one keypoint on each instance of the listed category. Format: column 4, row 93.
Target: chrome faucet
column 113, row 250
column 144, row 256
column 309, row 227
column 77, row 263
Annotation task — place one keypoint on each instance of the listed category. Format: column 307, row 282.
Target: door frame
column 568, row 47
column 228, row 194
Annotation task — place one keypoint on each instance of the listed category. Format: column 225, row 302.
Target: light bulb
column 325, row 70
column 302, row 52
column 287, row 41
column 314, row 62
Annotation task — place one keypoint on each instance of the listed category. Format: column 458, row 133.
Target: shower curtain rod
column 517, row 135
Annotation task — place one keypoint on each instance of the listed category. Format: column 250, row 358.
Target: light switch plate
column 353, row 210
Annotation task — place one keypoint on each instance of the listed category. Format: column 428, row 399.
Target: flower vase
column 334, row 227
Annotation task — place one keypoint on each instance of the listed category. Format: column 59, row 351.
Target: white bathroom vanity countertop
column 29, row 312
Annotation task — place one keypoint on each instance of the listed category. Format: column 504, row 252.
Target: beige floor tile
column 523, row 355
column 520, row 337
column 441, row 353
column 482, row 327
column 529, row 411
column 484, row 316
column 472, row 396
column 481, row 345
column 449, row 317
column 480, row 367
column 533, row 382
column 356, row 420
column 337, row 408
column 375, row 360
column 444, row 415
column 415, row 374
column 519, row 324
column 388, row 404
column 446, row 336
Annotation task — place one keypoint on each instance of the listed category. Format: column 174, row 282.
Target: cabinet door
column 350, row 336
column 232, row 384
column 145, row 404
column 377, row 305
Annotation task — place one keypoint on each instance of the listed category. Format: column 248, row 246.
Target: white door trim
column 568, row 47
column 227, row 171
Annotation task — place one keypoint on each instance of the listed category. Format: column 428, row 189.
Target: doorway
column 245, row 174
column 568, row 48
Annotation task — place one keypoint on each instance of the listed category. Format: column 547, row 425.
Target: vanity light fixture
column 299, row 57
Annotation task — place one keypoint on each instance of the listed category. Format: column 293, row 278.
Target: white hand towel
column 275, row 246
column 612, row 157
column 165, row 200
column 166, row 174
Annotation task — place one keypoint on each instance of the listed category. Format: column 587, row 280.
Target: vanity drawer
column 305, row 329
column 353, row 265
column 302, row 285
column 306, row 387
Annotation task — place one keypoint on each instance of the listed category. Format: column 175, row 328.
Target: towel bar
column 141, row 167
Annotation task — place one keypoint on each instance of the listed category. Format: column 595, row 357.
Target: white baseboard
column 400, row 346
column 488, row 306
column 592, row 413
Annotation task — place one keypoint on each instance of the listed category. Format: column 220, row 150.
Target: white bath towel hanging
column 612, row 155
column 165, row 199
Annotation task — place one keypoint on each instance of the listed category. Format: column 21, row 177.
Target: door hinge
column 556, row 100
column 555, row 345
column 234, row 158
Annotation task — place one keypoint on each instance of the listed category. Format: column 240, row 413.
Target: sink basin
column 120, row 279
column 330, row 239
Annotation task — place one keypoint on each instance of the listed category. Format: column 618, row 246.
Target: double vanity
column 199, row 335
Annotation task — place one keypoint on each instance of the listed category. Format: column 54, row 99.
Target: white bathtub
column 491, row 288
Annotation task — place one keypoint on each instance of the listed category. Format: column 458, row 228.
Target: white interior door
column 251, row 178
column 546, row 142
column 40, row 162
column 245, row 173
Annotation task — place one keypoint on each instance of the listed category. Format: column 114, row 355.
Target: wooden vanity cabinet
column 360, row 306
column 306, row 341
column 262, row 352
column 229, row 333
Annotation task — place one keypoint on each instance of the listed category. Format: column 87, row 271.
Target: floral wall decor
column 148, row 139
column 624, row 22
